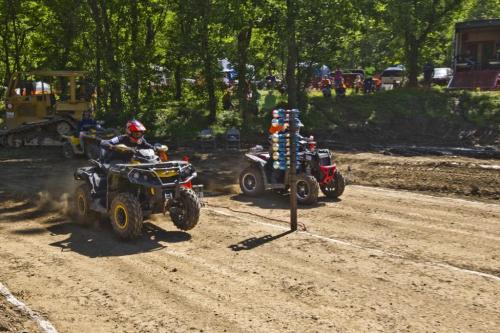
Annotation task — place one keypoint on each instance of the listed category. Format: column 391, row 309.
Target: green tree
column 414, row 21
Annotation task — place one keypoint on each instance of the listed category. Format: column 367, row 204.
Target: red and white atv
column 315, row 171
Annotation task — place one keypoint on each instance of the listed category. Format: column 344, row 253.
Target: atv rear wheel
column 251, row 182
column 126, row 216
column 185, row 211
column 67, row 150
column 307, row 189
column 335, row 188
column 84, row 214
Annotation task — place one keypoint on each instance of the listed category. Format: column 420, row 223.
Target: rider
column 134, row 138
column 85, row 124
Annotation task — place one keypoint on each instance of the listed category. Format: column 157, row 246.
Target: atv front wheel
column 307, row 189
column 185, row 211
column 335, row 188
column 82, row 204
column 126, row 216
column 67, row 150
column 251, row 182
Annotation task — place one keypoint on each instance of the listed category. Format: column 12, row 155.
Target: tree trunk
column 134, row 84
column 244, row 37
column 291, row 76
column 412, row 55
column 114, row 77
column 6, row 59
column 178, row 82
column 207, row 62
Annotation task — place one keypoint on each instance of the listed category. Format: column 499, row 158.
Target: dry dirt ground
column 378, row 260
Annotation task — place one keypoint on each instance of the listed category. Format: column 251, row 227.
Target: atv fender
column 255, row 159
column 259, row 163
column 87, row 175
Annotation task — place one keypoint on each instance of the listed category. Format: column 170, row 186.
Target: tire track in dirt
column 356, row 246
column 465, row 226
column 239, row 276
column 308, row 283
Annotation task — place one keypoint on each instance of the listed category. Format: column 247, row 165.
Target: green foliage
column 145, row 55
column 414, row 111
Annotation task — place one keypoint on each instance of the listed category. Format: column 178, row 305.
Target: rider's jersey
column 124, row 139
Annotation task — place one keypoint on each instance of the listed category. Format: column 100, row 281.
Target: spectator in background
column 269, row 101
column 227, row 103
column 337, row 77
column 326, row 86
column 368, row 85
column 325, row 82
column 428, row 73
column 85, row 125
column 341, row 89
column 358, row 84
column 270, row 81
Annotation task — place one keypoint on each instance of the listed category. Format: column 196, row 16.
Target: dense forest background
column 154, row 59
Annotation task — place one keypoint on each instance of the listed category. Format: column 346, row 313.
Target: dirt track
column 377, row 260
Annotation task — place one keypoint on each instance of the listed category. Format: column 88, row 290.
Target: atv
column 131, row 192
column 91, row 141
column 315, row 171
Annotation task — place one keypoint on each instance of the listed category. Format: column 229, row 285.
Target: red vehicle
column 316, row 171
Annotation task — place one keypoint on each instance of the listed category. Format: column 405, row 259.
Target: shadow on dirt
column 276, row 201
column 31, row 215
column 253, row 242
column 18, row 207
column 29, row 231
column 103, row 242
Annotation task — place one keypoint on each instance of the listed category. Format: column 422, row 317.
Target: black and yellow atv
column 91, row 141
column 131, row 192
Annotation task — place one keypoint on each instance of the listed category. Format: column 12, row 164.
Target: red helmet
column 135, row 130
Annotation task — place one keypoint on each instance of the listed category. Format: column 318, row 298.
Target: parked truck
column 42, row 106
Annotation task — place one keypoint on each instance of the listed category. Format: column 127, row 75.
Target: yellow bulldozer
column 42, row 106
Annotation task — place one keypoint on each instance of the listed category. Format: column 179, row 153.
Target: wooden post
column 72, row 89
column 293, row 169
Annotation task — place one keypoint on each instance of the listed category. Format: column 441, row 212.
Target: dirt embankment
column 28, row 171
column 463, row 177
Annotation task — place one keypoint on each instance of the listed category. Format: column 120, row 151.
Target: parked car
column 393, row 77
column 442, row 75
